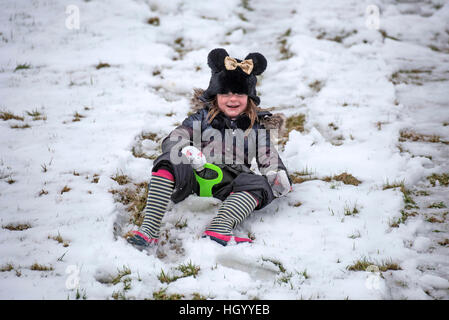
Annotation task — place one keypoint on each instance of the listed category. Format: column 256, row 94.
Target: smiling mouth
column 233, row 107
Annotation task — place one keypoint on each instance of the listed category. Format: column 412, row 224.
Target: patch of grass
column 333, row 126
column 411, row 76
column 101, row 65
column 389, row 265
column 284, row 48
column 10, row 180
column 433, row 219
column 351, row 212
column 277, row 263
column 150, row 136
column 24, row 126
column 336, row 38
column 7, row 115
column 437, row 205
column 305, row 172
column 297, row 177
column 408, row 200
column 360, row 265
column 285, row 277
column 181, row 223
column 134, row 198
column 77, row 116
column 95, row 178
column 121, row 179
column 404, row 216
column 305, row 274
column 7, row 267
column 347, row 178
column 119, row 295
column 187, row 270
column 245, row 4
column 40, row 267
column 198, row 296
column 407, row 135
column 17, row 227
column 65, row 189
column 137, row 149
column 140, row 154
column 181, row 48
column 162, row 295
column 179, row 41
column 121, row 277
column 295, row 122
column 442, row 179
column 422, row 193
column 242, row 17
column 165, row 278
column 59, row 239
column 407, row 194
column 435, row 48
column 316, row 86
column 23, row 66
column 364, row 264
column 10, row 267
column 81, row 294
column 338, row 140
column 36, row 115
column 385, row 35
column 154, row 21
column 120, row 274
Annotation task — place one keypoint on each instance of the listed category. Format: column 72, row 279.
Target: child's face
column 232, row 104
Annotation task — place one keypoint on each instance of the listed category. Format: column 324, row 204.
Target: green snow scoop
column 207, row 184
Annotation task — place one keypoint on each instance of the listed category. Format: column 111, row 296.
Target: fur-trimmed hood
column 267, row 119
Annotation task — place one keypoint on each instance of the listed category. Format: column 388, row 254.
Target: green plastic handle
column 207, row 184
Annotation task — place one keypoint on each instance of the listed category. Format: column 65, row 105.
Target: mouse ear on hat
column 259, row 61
column 215, row 59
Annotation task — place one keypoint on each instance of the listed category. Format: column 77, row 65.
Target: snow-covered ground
column 376, row 105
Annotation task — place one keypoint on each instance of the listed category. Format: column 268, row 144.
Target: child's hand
column 279, row 182
column 195, row 156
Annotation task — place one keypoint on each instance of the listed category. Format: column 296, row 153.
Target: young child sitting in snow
column 228, row 130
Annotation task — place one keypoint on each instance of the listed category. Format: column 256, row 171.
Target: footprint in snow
column 253, row 266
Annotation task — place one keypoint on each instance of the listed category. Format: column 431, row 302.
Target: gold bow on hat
column 246, row 65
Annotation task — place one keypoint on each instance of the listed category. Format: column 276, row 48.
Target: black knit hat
column 233, row 75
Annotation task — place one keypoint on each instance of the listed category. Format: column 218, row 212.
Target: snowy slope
column 376, row 107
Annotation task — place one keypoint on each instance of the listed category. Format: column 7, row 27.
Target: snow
column 374, row 84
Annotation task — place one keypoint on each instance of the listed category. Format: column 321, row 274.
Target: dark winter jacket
column 255, row 147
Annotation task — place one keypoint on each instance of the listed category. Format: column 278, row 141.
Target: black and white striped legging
column 235, row 208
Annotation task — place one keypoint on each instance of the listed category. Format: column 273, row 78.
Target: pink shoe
column 141, row 240
column 224, row 239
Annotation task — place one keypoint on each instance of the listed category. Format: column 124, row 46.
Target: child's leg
column 160, row 189
column 235, row 208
